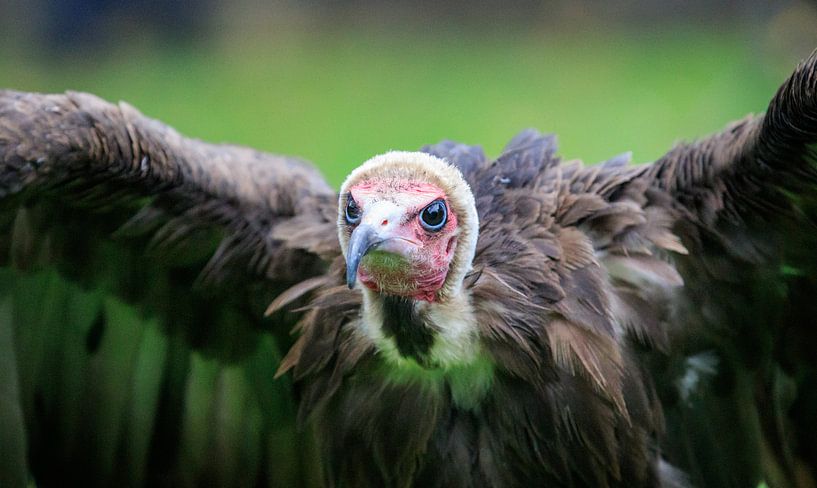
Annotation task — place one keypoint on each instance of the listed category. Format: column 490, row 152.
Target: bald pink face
column 416, row 233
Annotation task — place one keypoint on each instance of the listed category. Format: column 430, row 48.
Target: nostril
column 385, row 222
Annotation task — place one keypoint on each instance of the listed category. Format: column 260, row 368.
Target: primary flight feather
column 461, row 321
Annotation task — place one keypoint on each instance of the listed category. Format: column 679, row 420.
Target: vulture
column 444, row 319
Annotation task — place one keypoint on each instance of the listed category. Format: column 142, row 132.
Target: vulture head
column 408, row 225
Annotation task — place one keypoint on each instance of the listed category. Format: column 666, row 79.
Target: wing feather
column 743, row 203
column 80, row 151
column 175, row 243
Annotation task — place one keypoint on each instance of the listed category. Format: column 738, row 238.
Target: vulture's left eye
column 353, row 212
column 434, row 216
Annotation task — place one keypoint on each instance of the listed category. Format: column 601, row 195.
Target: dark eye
column 434, row 216
column 352, row 210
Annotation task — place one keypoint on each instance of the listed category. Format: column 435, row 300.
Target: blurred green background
column 337, row 82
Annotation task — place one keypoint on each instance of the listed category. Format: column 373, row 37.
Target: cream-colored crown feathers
column 423, row 167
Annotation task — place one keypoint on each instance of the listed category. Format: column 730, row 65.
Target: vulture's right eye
column 352, row 210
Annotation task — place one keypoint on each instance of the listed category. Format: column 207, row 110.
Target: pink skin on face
column 427, row 253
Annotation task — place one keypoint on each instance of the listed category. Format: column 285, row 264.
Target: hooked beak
column 364, row 238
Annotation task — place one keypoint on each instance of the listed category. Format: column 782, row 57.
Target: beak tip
column 351, row 277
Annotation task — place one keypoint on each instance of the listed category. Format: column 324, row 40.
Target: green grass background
column 338, row 98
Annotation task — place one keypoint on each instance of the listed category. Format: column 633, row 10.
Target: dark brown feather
column 183, row 233
column 742, row 202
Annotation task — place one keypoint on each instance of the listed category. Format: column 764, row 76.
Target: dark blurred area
column 62, row 27
column 65, row 27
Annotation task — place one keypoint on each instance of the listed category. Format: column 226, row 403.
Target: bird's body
column 461, row 321
column 476, row 381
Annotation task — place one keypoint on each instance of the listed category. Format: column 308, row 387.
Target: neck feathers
column 409, row 327
column 430, row 334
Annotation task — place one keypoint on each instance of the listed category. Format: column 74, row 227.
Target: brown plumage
column 613, row 322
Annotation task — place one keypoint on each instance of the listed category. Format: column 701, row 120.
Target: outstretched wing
column 136, row 264
column 739, row 390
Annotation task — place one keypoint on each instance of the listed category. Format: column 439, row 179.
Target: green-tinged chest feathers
column 468, row 383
